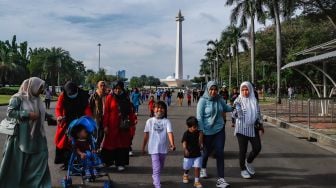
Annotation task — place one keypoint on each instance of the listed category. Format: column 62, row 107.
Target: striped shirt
column 246, row 129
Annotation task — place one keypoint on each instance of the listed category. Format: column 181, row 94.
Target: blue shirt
column 135, row 97
column 204, row 111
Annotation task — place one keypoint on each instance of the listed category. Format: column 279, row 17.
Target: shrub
column 7, row 91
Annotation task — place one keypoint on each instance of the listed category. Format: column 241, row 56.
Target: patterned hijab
column 249, row 104
column 29, row 93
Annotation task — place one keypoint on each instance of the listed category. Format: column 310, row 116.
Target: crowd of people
column 115, row 112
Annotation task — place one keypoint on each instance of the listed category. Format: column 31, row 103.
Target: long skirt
column 26, row 170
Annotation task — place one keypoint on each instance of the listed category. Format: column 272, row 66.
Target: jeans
column 215, row 143
column 157, row 165
column 136, row 108
column 168, row 101
column 243, row 143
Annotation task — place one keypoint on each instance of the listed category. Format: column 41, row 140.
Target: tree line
column 241, row 53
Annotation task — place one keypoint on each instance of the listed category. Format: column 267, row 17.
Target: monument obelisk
column 177, row 81
column 179, row 57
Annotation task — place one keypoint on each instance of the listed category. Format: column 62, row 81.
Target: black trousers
column 243, row 143
column 119, row 157
column 47, row 103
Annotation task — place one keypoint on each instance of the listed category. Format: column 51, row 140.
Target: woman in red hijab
column 118, row 135
column 71, row 104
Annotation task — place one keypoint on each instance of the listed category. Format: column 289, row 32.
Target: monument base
column 176, row 83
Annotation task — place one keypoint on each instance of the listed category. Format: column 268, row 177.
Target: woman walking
column 73, row 103
column 136, row 97
column 25, row 159
column 210, row 111
column 248, row 127
column 119, row 128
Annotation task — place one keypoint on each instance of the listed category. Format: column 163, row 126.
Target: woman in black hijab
column 71, row 104
column 118, row 135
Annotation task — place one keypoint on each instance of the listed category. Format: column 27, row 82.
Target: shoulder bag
column 8, row 126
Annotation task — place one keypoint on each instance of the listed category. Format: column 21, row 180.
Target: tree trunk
column 252, row 51
column 278, row 47
column 332, row 22
column 217, row 69
column 326, row 12
column 237, row 62
column 230, row 73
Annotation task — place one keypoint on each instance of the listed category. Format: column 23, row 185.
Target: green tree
column 238, row 38
column 318, row 8
column 247, row 9
column 276, row 9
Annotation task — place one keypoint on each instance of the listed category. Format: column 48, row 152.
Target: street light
column 99, row 56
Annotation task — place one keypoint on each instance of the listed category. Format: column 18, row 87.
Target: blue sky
column 136, row 35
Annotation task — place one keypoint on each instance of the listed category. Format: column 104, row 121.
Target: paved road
column 285, row 161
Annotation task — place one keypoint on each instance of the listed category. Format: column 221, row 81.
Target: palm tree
column 276, row 9
column 7, row 66
column 227, row 42
column 209, row 55
column 205, row 69
column 214, row 48
column 247, row 9
column 238, row 37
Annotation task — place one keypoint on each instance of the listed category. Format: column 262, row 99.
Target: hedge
column 7, row 91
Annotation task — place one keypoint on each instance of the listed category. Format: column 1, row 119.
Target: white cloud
column 136, row 35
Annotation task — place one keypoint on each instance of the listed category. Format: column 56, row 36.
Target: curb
column 310, row 134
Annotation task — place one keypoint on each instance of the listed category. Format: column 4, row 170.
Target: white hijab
column 249, row 104
column 29, row 93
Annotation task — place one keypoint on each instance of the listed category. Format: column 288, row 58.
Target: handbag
column 258, row 125
column 8, row 126
column 125, row 123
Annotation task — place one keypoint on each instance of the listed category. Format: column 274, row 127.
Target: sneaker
column 222, row 183
column 203, row 173
column 130, row 153
column 121, row 168
column 185, row 179
column 249, row 168
column 245, row 174
column 95, row 172
column 198, row 184
column 87, row 174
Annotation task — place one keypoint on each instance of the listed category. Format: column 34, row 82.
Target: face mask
column 73, row 96
column 159, row 115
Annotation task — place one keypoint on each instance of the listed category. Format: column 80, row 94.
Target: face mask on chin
column 159, row 115
column 73, row 96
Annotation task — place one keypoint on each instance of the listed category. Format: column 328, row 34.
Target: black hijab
column 123, row 100
column 74, row 107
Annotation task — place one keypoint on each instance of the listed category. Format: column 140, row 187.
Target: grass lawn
column 4, row 99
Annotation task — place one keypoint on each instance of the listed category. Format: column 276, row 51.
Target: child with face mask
column 157, row 129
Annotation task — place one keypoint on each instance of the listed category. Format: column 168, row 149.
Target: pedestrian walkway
column 285, row 160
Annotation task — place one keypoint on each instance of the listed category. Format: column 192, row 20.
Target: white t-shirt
column 158, row 130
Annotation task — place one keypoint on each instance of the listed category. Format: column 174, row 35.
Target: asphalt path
column 285, row 160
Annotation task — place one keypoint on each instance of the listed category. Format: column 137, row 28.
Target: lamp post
column 99, row 56
column 58, row 73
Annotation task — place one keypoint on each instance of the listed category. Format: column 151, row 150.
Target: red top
column 116, row 137
column 61, row 139
column 151, row 104
column 189, row 97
